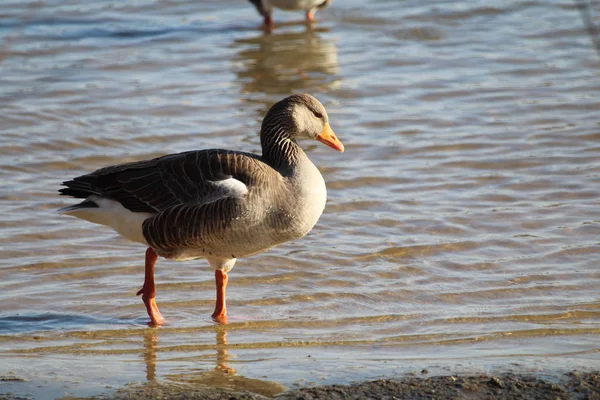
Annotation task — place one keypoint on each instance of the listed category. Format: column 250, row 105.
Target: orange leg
column 220, row 314
column 148, row 291
column 268, row 26
column 310, row 17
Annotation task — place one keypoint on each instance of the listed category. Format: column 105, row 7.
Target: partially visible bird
column 214, row 204
column 265, row 8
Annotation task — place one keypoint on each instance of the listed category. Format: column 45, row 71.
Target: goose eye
column 318, row 114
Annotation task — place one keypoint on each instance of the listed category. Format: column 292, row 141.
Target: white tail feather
column 112, row 214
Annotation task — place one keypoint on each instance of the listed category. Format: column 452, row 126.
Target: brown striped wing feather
column 192, row 225
column 184, row 178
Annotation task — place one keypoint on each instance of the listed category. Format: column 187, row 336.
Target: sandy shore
column 574, row 385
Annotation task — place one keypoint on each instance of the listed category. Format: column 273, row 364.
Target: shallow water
column 461, row 231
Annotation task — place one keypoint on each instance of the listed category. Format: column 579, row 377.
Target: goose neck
column 280, row 149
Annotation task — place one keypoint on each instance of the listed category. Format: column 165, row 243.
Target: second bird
column 265, row 8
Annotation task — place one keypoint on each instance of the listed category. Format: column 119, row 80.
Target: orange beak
column 328, row 137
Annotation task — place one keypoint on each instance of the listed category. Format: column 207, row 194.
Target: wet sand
column 573, row 385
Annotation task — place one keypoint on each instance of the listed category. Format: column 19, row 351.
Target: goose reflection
column 149, row 354
column 279, row 64
column 222, row 376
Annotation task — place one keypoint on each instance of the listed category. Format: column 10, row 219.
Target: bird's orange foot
column 156, row 317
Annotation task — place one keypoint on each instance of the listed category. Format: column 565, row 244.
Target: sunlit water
column 461, row 231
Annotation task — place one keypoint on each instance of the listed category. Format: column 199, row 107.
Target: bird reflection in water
column 222, row 376
column 284, row 63
column 151, row 346
column 222, row 355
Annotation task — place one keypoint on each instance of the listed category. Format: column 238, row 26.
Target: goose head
column 299, row 116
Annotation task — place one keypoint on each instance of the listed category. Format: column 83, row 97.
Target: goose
column 265, row 8
column 214, row 204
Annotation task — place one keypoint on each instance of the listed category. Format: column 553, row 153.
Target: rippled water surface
column 462, row 225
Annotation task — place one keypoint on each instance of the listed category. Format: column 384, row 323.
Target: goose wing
column 195, row 177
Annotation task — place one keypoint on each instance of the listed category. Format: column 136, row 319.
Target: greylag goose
column 214, row 204
column 265, row 8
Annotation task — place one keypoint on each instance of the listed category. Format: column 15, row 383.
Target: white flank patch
column 112, row 214
column 232, row 187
